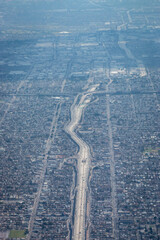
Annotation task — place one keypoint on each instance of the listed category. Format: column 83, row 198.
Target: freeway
column 83, row 166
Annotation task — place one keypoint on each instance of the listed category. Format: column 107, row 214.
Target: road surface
column 83, row 166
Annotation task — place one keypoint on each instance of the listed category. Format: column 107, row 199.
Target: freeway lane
column 84, row 159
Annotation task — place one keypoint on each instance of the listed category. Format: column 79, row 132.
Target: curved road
column 83, row 166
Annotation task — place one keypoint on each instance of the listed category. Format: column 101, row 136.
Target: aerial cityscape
column 80, row 119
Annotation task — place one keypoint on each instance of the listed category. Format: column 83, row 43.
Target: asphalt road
column 83, row 166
